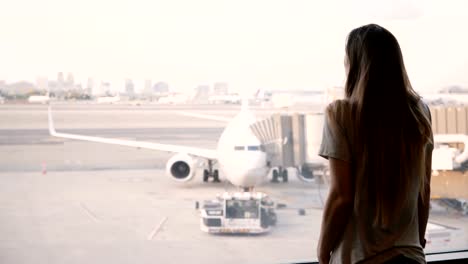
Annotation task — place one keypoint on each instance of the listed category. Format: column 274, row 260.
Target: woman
column 378, row 141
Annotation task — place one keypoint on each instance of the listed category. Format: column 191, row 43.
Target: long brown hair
column 391, row 127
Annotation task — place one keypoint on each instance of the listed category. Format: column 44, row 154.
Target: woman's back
column 379, row 142
column 364, row 238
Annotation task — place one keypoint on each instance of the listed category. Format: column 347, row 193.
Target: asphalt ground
column 65, row 201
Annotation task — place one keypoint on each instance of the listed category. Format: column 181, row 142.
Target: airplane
column 41, row 99
column 107, row 99
column 239, row 153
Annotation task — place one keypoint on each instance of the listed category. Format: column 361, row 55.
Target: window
column 253, row 148
column 141, row 92
column 247, row 209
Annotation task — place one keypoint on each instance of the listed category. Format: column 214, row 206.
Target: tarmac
column 64, row 201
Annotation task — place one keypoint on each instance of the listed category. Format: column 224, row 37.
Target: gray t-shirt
column 362, row 242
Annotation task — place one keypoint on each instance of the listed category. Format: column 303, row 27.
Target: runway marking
column 156, row 229
column 89, row 213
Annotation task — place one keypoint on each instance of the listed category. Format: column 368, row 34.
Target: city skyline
column 91, row 87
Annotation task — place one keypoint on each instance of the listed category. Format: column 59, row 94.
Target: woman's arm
column 424, row 201
column 338, row 208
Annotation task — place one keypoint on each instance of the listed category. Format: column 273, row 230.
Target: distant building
column 129, row 87
column 105, row 89
column 147, row 89
column 2, row 86
column 161, row 88
column 70, row 82
column 78, row 88
column 454, row 89
column 53, row 88
column 19, row 90
column 89, row 86
column 220, row 88
column 60, row 82
column 202, row 93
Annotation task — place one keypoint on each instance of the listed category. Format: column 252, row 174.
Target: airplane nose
column 245, row 168
column 247, row 172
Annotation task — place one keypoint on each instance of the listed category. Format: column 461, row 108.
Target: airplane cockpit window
column 151, row 127
column 253, row 148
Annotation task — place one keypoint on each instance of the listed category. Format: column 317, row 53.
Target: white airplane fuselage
column 241, row 157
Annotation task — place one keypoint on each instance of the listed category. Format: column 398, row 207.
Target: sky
column 250, row 44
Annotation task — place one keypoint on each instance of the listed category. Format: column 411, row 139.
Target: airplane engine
column 181, row 167
column 306, row 177
column 306, row 174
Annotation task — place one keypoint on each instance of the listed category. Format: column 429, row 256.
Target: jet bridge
column 292, row 141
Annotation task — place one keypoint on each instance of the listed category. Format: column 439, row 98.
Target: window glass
column 149, row 97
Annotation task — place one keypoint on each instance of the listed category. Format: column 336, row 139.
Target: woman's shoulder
column 339, row 104
column 339, row 109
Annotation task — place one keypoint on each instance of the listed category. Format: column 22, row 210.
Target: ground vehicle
column 240, row 212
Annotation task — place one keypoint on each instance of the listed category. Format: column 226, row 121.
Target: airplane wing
column 203, row 116
column 244, row 107
column 199, row 152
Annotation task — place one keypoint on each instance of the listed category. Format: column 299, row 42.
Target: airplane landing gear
column 216, row 176
column 280, row 173
column 210, row 172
